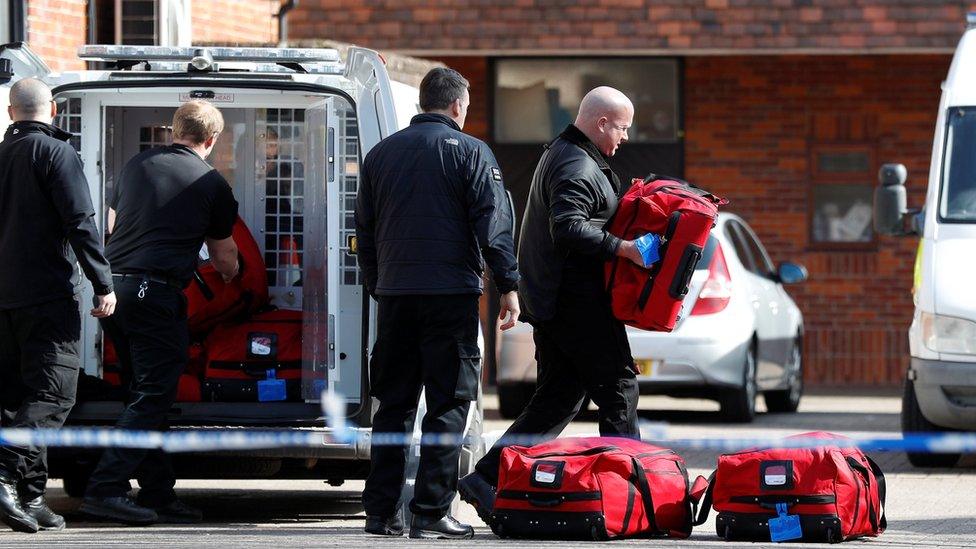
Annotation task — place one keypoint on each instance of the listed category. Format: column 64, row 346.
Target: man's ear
column 456, row 108
column 54, row 109
column 10, row 112
column 209, row 143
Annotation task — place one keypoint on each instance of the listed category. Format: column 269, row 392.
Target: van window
column 958, row 195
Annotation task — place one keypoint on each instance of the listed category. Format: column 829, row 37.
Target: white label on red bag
column 545, row 474
column 261, row 346
column 775, row 475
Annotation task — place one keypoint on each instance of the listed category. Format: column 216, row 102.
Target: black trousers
column 40, row 350
column 583, row 350
column 151, row 337
column 431, row 343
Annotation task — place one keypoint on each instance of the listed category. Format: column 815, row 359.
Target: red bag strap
column 640, row 479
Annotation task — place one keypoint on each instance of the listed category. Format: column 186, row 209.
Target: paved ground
column 926, row 508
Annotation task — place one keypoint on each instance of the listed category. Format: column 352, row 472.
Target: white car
column 739, row 334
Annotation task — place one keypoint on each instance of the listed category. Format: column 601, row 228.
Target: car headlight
column 945, row 334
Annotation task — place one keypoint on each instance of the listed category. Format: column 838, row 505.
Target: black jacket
column 563, row 245
column 431, row 205
column 46, row 219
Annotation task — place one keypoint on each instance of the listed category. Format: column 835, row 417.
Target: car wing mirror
column 791, row 273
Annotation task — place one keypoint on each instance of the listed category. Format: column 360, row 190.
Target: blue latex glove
column 648, row 246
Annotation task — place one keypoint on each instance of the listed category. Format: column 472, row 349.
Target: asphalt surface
column 926, row 507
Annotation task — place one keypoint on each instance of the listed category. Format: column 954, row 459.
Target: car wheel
column 740, row 404
column 789, row 400
column 513, row 398
column 912, row 421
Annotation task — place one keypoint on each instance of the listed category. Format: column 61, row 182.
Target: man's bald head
column 605, row 115
column 30, row 99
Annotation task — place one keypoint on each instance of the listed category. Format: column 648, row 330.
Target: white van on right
column 940, row 386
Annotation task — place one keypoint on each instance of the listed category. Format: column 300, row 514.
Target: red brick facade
column 456, row 27
column 246, row 22
column 55, row 29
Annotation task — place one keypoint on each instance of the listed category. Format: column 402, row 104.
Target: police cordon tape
column 340, row 433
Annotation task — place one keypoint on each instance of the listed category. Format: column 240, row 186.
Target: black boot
column 476, row 490
column 11, row 511
column 446, row 527
column 118, row 509
column 385, row 526
column 45, row 517
column 176, row 512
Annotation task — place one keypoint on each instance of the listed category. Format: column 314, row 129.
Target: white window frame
column 5, row 21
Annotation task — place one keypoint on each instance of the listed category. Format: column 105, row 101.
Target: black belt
column 171, row 282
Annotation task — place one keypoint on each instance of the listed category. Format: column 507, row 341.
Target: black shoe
column 45, row 517
column 11, row 511
column 476, row 490
column 118, row 509
column 446, row 527
column 176, row 512
column 389, row 526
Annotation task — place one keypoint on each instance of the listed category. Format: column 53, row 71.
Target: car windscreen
column 957, row 202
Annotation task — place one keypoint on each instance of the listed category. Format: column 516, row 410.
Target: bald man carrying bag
column 581, row 348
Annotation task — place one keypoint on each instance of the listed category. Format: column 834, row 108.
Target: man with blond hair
column 47, row 228
column 167, row 202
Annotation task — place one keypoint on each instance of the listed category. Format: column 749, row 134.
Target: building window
column 841, row 197
column 135, row 22
column 69, row 120
column 534, row 99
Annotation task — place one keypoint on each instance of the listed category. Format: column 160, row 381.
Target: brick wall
column 231, row 22
column 750, row 123
column 55, row 29
column 536, row 26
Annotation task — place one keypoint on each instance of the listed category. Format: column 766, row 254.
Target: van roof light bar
column 115, row 53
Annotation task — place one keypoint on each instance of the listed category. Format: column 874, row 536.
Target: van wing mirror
column 890, row 200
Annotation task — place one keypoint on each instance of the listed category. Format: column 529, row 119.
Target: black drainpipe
column 282, row 16
column 18, row 20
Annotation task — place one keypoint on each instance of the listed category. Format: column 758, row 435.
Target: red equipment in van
column 683, row 215
column 211, row 301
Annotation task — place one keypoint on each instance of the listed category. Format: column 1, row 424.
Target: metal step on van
column 308, row 108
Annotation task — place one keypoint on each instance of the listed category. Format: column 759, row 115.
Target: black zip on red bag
column 837, row 493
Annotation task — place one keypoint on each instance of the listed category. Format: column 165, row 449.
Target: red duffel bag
column 211, row 301
column 682, row 215
column 240, row 354
column 591, row 489
column 837, row 493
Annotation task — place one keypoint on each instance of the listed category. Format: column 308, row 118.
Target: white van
column 326, row 114
column 940, row 388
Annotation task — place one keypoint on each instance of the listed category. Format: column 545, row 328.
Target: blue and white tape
column 339, row 432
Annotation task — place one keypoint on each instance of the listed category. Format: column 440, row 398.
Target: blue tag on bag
column 784, row 527
column 648, row 246
column 271, row 389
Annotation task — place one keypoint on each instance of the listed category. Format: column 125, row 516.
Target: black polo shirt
column 167, row 200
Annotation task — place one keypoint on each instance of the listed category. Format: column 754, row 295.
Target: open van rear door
column 374, row 96
column 17, row 62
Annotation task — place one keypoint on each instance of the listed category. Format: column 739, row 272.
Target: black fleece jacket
column 47, row 221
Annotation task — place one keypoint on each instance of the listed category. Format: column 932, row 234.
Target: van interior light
column 110, row 53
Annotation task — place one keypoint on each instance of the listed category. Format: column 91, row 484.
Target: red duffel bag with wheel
column 682, row 216
column 211, row 301
column 826, row 493
column 592, row 489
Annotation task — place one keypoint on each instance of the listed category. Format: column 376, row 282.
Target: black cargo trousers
column 40, row 350
column 152, row 340
column 425, row 342
column 583, row 350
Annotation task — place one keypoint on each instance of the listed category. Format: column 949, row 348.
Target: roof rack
column 203, row 58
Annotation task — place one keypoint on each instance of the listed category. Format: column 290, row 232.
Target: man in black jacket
column 581, row 348
column 47, row 227
column 431, row 210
